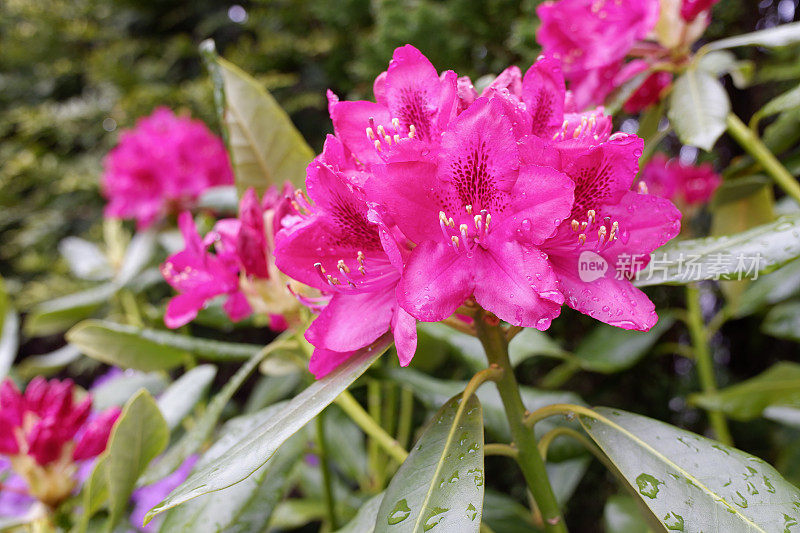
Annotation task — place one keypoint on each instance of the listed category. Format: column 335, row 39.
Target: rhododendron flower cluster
column 686, row 185
column 233, row 260
column 593, row 38
column 46, row 432
column 162, row 166
column 435, row 196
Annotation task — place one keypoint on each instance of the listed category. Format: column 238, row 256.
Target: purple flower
column 147, row 497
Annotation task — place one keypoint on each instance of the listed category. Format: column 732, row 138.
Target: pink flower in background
column 591, row 38
column 338, row 249
column 199, row 275
column 690, row 9
column 685, row 184
column 609, row 224
column 648, row 92
column 476, row 215
column 45, row 433
column 162, row 166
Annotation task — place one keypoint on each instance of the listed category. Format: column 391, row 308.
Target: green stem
column 406, row 414
column 705, row 364
column 494, row 343
column 504, row 450
column 373, row 449
column 327, row 482
column 756, row 148
column 368, row 425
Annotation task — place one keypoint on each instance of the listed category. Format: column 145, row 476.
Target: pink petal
column 413, row 91
column 323, row 361
column 183, row 308
column 435, row 282
column 404, row 328
column 350, row 122
column 516, row 283
column 236, row 307
column 541, row 198
column 543, row 93
column 352, row 321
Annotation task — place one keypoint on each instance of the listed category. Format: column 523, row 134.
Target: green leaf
column 788, row 100
column 265, row 147
column 690, row 483
column 137, row 255
column 9, row 341
column 783, row 321
column 221, row 198
column 622, row 514
column 505, row 515
column 782, row 35
column 767, row 247
column 193, row 439
column 441, row 482
column 122, row 346
column 247, row 505
column 85, row 259
column 120, row 389
column 564, row 477
column 467, row 347
column 54, row 316
column 364, row 520
column 139, row 435
column 778, row 385
column 529, row 343
column 258, row 446
column 698, row 106
column 783, row 414
column 49, row 363
column 180, row 398
column 434, row 392
column 608, row 349
column 95, row 491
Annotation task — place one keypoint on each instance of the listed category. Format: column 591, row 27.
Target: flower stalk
column 705, row 364
column 495, row 344
column 753, row 145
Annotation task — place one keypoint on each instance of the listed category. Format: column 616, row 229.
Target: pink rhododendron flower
column 684, row 184
column 609, row 225
column 648, row 92
column 413, row 104
column 591, row 39
column 690, row 9
column 45, row 433
column 162, row 166
column 336, row 248
column 234, row 259
column 199, row 275
column 476, row 215
column 495, row 203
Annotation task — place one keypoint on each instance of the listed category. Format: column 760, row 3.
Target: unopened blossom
column 47, row 431
column 649, row 92
column 684, row 184
column 476, row 215
column 338, row 249
column 161, row 166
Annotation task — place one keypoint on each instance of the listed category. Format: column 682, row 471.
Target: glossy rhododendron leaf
column 255, row 448
column 441, row 482
column 266, row 149
column 690, row 483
